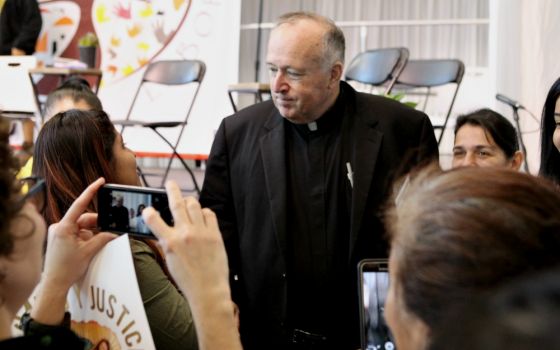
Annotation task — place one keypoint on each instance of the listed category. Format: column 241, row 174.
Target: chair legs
column 187, row 168
column 440, row 136
column 444, row 126
column 175, row 155
column 142, row 176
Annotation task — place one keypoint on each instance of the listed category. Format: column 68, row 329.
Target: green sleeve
column 168, row 311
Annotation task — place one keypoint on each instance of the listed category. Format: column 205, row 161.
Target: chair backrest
column 175, row 72
column 430, row 73
column 172, row 72
column 378, row 67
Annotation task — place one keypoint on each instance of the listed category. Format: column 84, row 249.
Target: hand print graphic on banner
column 132, row 32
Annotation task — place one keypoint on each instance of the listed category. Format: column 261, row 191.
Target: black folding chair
column 431, row 73
column 175, row 72
column 379, row 67
column 258, row 90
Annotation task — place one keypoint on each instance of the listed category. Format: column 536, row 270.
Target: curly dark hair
column 10, row 203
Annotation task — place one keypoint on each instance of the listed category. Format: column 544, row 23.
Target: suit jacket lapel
column 273, row 151
column 366, row 145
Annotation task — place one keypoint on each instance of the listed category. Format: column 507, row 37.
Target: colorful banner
column 133, row 33
column 207, row 30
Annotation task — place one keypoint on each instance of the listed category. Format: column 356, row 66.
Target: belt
column 302, row 337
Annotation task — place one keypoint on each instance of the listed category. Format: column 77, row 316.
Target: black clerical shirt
column 319, row 197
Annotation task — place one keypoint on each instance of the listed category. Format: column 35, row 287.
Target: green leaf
column 411, row 104
column 399, row 98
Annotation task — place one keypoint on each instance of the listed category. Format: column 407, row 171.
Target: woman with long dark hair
column 550, row 134
column 76, row 147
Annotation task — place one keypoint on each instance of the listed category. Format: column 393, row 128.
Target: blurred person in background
column 20, row 25
column 74, row 93
column 486, row 138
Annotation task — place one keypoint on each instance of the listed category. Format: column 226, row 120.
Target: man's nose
column 278, row 82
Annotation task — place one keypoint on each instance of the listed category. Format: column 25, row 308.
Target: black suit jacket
column 246, row 181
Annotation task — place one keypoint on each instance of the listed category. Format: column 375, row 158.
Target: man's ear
column 517, row 160
column 336, row 73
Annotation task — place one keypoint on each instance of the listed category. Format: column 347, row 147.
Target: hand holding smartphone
column 120, row 209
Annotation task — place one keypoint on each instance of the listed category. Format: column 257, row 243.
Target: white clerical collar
column 312, row 126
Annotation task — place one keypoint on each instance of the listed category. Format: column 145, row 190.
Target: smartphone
column 120, row 209
column 373, row 285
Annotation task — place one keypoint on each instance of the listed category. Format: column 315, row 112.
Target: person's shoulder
column 253, row 114
column 18, row 6
column 251, row 120
column 385, row 112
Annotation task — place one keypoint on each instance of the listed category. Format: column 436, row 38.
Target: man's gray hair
column 333, row 41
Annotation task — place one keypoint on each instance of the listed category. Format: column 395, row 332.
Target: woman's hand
column 193, row 247
column 196, row 257
column 71, row 245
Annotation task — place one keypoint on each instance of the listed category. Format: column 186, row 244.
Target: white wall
column 527, row 60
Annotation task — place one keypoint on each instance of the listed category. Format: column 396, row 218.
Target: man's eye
column 272, row 70
column 294, row 74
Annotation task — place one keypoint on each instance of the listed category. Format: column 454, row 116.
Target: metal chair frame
column 432, row 73
column 172, row 72
column 378, row 67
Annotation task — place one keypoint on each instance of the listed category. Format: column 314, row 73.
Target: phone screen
column 374, row 284
column 120, row 209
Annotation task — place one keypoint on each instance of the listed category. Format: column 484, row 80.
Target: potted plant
column 87, row 45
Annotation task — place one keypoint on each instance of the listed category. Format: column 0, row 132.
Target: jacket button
column 284, row 275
